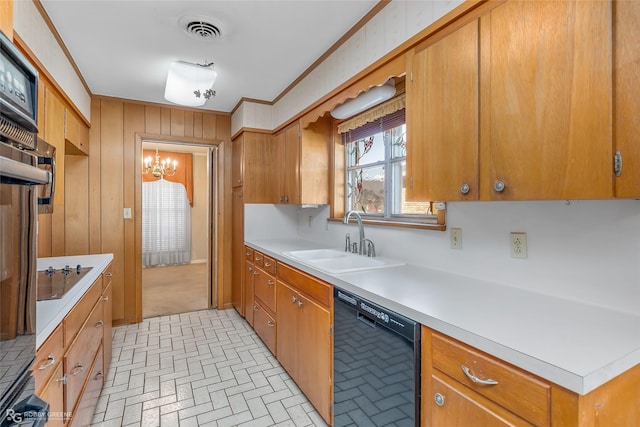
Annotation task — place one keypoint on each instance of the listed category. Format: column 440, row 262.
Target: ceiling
column 123, row 48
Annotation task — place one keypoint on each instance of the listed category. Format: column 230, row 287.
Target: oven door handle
column 48, row 161
column 27, row 174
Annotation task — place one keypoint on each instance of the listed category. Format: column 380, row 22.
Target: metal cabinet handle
column 78, row 368
column 270, row 323
column 293, row 298
column 105, row 299
column 248, row 253
column 100, row 324
column 98, row 376
column 270, row 282
column 499, row 186
column 250, row 269
column 299, row 304
column 256, row 272
column 109, row 274
column 267, row 264
column 258, row 258
column 477, row 380
column 439, row 399
column 255, row 308
column 51, row 361
column 62, row 380
column 464, row 188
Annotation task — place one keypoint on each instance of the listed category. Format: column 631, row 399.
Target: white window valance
column 384, row 109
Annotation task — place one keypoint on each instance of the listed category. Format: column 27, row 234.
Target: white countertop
column 50, row 313
column 574, row 345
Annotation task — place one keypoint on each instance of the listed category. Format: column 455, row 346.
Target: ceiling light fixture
column 365, row 100
column 190, row 84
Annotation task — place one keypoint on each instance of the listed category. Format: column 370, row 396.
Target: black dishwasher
column 376, row 365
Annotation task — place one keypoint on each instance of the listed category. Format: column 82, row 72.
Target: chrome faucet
column 360, row 229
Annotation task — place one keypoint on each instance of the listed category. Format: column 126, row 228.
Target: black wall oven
column 21, row 179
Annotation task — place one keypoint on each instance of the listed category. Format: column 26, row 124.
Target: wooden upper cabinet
column 6, row 18
column 302, row 163
column 76, row 134
column 627, row 96
column 260, row 176
column 546, row 85
column 237, row 154
column 442, row 118
column 54, row 135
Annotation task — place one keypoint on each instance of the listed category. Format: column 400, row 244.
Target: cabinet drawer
column 107, row 275
column 258, row 258
column 265, row 327
column 83, row 415
column 48, row 358
column 461, row 406
column 312, row 287
column 264, row 286
column 269, row 265
column 79, row 358
column 248, row 253
column 516, row 390
column 79, row 313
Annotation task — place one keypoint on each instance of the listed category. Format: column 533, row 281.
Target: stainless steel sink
column 336, row 261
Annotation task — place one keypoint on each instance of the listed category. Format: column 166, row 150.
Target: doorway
column 177, row 233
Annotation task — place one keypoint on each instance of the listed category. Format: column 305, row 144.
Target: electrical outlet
column 126, row 213
column 518, row 245
column 455, row 238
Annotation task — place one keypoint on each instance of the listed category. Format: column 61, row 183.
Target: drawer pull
column 270, row 282
column 270, row 323
column 439, row 399
column 51, row 361
column 98, row 376
column 293, row 298
column 267, row 264
column 299, row 304
column 256, row 272
column 100, row 324
column 258, row 258
column 248, row 253
column 255, row 308
column 62, row 380
column 477, row 380
column 105, row 299
column 109, row 274
column 78, row 368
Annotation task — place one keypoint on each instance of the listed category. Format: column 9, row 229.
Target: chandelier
column 166, row 167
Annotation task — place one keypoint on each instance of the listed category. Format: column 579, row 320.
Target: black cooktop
column 54, row 283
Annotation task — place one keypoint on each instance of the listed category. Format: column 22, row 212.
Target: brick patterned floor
column 204, row 368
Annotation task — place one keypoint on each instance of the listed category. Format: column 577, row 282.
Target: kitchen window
column 375, row 183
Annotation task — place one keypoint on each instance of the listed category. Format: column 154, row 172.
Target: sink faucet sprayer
column 361, row 250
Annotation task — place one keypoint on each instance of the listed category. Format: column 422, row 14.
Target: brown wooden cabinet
column 302, row 163
column 76, row 134
column 52, row 392
column 252, row 166
column 514, row 104
column 511, row 396
column 545, row 95
column 6, row 18
column 304, row 341
column 627, row 96
column 237, row 247
column 442, row 117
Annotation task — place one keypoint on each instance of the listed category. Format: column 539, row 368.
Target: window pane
column 365, row 151
column 398, row 142
column 400, row 204
column 366, row 190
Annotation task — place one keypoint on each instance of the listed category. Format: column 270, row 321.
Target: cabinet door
column 265, row 288
column 237, row 248
column 546, row 101
column 458, row 406
column 54, row 135
column 248, row 291
column 442, row 118
column 265, row 327
column 315, row 354
column 287, row 321
column 260, row 176
column 627, row 95
column 291, row 168
column 237, row 149
column 53, row 394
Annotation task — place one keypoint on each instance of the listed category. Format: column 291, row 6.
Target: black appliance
column 376, row 365
column 53, row 284
column 20, row 178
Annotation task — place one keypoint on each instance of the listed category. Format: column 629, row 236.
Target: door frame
column 215, row 213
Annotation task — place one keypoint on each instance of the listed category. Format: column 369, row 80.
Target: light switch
column 126, row 213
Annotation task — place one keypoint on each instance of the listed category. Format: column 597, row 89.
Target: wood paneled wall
column 112, row 169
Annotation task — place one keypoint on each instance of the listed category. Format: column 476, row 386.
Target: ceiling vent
column 201, row 27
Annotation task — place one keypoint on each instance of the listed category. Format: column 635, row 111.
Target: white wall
column 30, row 26
column 586, row 250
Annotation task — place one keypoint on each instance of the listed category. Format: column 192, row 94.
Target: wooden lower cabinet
column 265, row 326
column 519, row 398
column 71, row 364
column 305, row 343
column 247, row 284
